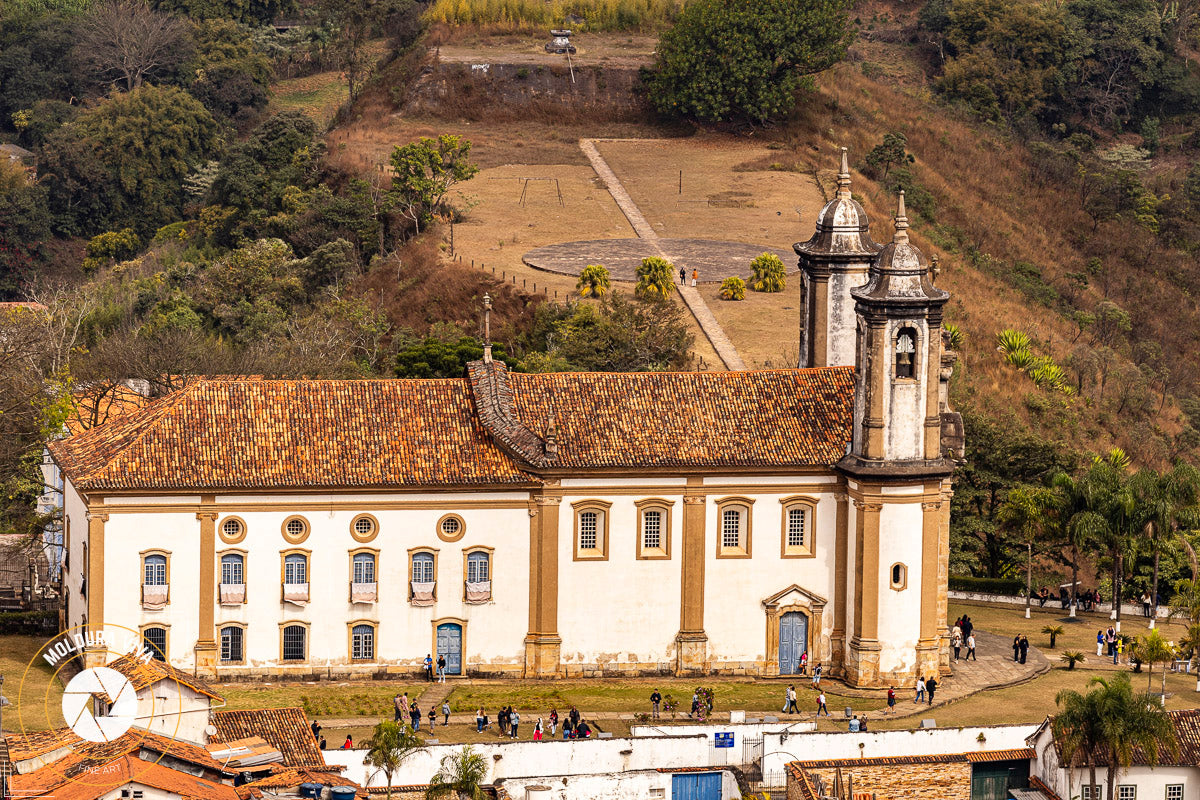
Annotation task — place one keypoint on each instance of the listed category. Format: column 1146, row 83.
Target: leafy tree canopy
column 246, row 11
column 436, row 358
column 745, row 60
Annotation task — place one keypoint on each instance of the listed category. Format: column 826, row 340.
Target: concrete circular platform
column 714, row 260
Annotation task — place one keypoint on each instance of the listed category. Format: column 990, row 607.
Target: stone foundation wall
column 911, row 781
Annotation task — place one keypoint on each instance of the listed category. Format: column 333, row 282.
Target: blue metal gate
column 696, row 786
column 793, row 640
column 449, row 644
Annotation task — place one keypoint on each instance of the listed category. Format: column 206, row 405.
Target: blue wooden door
column 696, row 786
column 449, row 644
column 793, row 640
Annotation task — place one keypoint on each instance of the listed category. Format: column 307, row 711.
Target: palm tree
column 1026, row 510
column 1079, row 521
column 1167, row 502
column 461, row 776
column 1053, row 631
column 389, row 746
column 1151, row 649
column 1106, row 485
column 594, row 281
column 1190, row 644
column 1071, row 658
column 1108, row 724
column 655, row 279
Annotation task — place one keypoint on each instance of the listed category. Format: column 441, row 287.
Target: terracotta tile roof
column 143, row 674
column 285, row 729
column 117, row 771
column 754, row 418
column 83, row 755
column 35, row 743
column 292, row 434
column 981, row 756
column 1187, row 734
column 292, row 778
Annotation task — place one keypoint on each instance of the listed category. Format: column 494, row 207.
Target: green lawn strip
column 36, row 695
column 322, row 700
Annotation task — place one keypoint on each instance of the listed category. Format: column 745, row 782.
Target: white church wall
column 613, row 786
column 843, row 321
column 900, row 526
column 640, row 597
column 734, row 588
column 75, row 521
column 174, row 710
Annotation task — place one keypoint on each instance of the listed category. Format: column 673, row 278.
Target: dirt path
column 695, row 303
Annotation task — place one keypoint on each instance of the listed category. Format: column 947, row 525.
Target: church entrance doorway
column 449, row 644
column 793, row 641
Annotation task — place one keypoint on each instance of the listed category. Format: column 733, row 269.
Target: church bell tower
column 896, row 472
column 835, row 260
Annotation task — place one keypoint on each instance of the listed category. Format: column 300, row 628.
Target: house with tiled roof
column 552, row 524
column 1171, row 777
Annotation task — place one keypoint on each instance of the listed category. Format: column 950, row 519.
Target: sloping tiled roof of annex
column 142, row 674
column 751, row 418
column 292, row 434
column 285, row 729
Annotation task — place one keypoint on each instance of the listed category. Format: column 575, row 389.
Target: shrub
column 655, row 279
column 1014, row 344
column 955, row 337
column 769, row 274
column 1048, row 375
column 593, row 281
column 1071, row 658
column 733, row 288
column 106, row 248
column 26, row 623
column 968, row 583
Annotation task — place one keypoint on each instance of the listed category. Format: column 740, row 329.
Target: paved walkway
column 708, row 323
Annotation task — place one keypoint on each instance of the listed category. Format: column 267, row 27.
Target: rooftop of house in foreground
column 487, row 428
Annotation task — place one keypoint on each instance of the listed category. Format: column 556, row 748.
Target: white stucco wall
column 174, row 710
column 74, row 510
column 900, row 533
column 780, row 748
column 616, row 786
column 843, row 321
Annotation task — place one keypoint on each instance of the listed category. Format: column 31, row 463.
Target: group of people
column 1020, row 646
column 320, row 740
column 926, row 688
column 1110, row 643
column 1086, row 599
column 508, row 722
column 428, row 665
column 963, row 633
column 411, row 712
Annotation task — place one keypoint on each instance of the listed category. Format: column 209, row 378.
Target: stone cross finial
column 551, row 446
column 901, row 234
column 487, row 328
column 843, row 178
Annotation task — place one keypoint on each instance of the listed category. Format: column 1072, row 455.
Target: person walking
column 956, row 642
column 816, row 678
column 791, row 698
column 441, row 666
column 428, row 664
column 514, row 721
column 1118, row 650
column 1145, row 604
column 414, row 714
column 537, row 730
column 804, row 663
column 930, row 688
column 401, row 708
column 316, row 729
column 891, row 706
column 445, row 714
column 971, row 648
column 682, row 276
column 967, row 627
column 920, row 690
column 695, row 705
column 1024, row 648
column 1099, row 642
column 821, row 707
column 502, row 721
column 432, row 717
column 553, row 721
column 655, row 699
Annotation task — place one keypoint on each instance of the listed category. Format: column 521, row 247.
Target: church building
column 547, row 525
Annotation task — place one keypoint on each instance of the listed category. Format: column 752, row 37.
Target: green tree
column 891, row 152
column 248, row 12
column 105, row 249
column 1153, row 648
column 436, row 358
column 615, row 335
column 229, row 74
column 1053, row 631
column 460, row 775
column 24, row 227
column 593, row 281
column 655, row 279
column 733, row 288
column 1106, row 726
column 745, row 60
column 1027, row 511
column 423, row 172
column 253, row 290
column 124, row 162
column 1166, row 502
column 388, row 748
column 768, row 273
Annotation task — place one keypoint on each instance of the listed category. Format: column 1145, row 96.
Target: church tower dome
column 833, row 261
